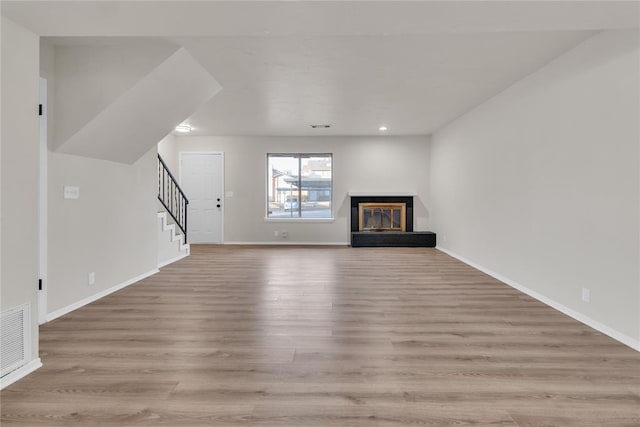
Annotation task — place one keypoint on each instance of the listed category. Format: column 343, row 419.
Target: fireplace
column 381, row 214
column 385, row 220
column 382, row 217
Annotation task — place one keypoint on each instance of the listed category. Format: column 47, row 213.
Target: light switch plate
column 71, row 192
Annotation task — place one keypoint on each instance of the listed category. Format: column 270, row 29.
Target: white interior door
column 202, row 179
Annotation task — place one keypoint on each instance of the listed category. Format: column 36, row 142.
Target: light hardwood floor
column 322, row 336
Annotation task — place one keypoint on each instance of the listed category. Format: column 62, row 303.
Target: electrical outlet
column 92, row 278
column 586, row 295
column 284, row 234
column 276, row 233
column 71, row 192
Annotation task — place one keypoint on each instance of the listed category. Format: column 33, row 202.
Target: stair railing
column 172, row 197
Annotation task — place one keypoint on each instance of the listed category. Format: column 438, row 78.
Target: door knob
column 218, row 205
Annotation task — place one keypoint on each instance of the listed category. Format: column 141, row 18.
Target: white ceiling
column 411, row 84
column 412, row 66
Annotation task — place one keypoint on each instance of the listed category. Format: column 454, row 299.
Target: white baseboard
column 618, row 336
column 172, row 260
column 19, row 373
column 289, row 243
column 95, row 297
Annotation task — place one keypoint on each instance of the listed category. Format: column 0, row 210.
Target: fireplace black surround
column 356, row 200
column 408, row 238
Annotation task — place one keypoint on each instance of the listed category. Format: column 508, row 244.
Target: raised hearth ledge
column 381, row 193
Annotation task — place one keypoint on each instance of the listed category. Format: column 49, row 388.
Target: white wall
column 541, row 183
column 19, row 172
column 168, row 152
column 381, row 164
column 110, row 230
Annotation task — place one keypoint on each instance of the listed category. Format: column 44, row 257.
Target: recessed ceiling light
column 184, row 128
column 320, row 126
column 382, row 128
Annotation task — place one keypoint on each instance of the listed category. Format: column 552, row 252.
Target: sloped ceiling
column 412, row 66
column 146, row 112
column 411, row 84
column 92, row 73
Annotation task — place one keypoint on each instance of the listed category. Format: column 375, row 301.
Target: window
column 299, row 186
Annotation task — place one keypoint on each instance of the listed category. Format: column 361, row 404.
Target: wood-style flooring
column 324, row 336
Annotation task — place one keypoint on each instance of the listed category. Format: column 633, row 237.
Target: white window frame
column 300, row 156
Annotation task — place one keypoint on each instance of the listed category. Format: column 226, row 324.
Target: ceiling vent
column 320, row 126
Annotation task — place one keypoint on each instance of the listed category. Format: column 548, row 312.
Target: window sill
column 299, row 219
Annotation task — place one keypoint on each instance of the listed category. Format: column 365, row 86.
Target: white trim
column 95, row 297
column 172, row 260
column 182, row 247
column 222, row 190
column 42, row 206
column 288, row 243
column 618, row 336
column 326, row 220
column 381, row 193
column 198, row 152
column 172, row 227
column 20, row 373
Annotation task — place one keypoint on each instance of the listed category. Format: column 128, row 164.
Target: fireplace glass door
column 382, row 216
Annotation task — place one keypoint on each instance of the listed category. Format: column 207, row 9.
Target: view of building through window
column 299, row 185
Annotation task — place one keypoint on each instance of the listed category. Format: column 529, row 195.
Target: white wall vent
column 14, row 338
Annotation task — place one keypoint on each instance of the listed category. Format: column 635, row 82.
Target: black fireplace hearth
column 377, row 221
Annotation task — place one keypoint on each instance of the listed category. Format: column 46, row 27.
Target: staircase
column 172, row 218
column 171, row 244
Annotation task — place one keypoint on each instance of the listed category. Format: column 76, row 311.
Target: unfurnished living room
column 320, row 213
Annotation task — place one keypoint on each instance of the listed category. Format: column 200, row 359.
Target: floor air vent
column 14, row 339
